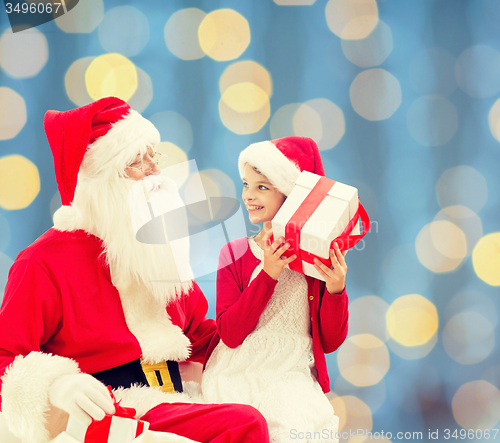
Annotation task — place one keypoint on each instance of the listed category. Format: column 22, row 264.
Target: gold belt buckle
column 158, row 375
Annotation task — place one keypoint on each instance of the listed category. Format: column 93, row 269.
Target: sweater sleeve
column 198, row 328
column 333, row 319
column 238, row 308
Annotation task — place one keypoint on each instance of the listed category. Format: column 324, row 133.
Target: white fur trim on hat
column 25, row 393
column 271, row 162
column 112, row 152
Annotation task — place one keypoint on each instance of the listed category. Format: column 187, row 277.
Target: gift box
column 317, row 213
column 121, row 427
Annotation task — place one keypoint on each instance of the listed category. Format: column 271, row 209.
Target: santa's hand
column 82, row 396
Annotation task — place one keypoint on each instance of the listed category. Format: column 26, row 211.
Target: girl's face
column 261, row 198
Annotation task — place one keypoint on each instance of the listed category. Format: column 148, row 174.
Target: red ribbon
column 98, row 431
column 294, row 226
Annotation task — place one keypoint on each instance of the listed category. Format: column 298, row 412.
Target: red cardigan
column 240, row 305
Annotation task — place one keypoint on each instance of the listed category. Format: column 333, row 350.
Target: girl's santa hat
column 100, row 138
column 282, row 160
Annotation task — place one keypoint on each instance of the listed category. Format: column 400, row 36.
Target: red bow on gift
column 99, row 431
column 121, row 411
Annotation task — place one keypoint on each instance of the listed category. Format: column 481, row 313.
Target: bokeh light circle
column 144, row 93
column 124, row 29
column 351, row 20
column 282, row 122
column 486, row 259
column 371, row 50
column 12, row 113
column 412, row 320
column 365, row 314
column 224, row 34
column 19, row 182
column 353, row 413
column 468, row 338
column 441, row 246
column 23, row 54
column 245, row 97
column 174, row 128
column 83, row 18
column 462, row 185
column 412, row 352
column 363, row 360
column 307, row 123
column 111, row 75
column 432, row 120
column 328, row 130
column 375, row 94
column 74, row 82
column 246, row 71
column 472, row 301
column 244, row 122
column 181, row 33
column 467, row 220
column 320, row 119
column 476, row 405
column 432, row 71
column 494, row 119
column 478, row 71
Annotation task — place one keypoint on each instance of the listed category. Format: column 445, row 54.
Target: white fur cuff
column 25, row 397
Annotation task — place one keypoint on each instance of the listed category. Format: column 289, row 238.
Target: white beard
column 103, row 209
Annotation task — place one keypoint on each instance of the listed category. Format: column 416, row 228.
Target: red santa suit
column 63, row 312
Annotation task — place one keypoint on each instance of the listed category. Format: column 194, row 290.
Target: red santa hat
column 108, row 129
column 282, row 160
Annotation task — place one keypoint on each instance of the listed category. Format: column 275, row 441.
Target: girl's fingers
column 267, row 236
column 323, row 269
column 340, row 255
column 280, row 251
column 334, row 258
column 290, row 259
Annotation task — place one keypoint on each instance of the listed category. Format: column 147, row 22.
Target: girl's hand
column 273, row 263
column 334, row 276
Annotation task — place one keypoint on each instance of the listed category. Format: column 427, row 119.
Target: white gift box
column 112, row 429
column 329, row 218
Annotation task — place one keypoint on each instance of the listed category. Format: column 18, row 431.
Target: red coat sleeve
column 197, row 327
column 30, row 313
column 333, row 319
column 238, row 309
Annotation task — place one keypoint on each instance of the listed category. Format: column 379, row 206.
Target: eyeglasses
column 147, row 166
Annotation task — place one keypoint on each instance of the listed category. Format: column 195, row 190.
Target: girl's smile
column 261, row 198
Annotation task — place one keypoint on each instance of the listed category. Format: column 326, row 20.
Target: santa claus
column 87, row 305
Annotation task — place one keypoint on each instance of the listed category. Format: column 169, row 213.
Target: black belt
column 165, row 375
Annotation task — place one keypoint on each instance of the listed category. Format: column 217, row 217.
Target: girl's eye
column 245, row 185
column 262, row 187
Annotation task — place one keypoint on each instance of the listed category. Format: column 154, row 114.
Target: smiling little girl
column 274, row 325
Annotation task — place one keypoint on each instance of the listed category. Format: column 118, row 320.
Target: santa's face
column 143, row 166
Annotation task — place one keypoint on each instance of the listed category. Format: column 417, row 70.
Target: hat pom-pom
column 67, row 218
